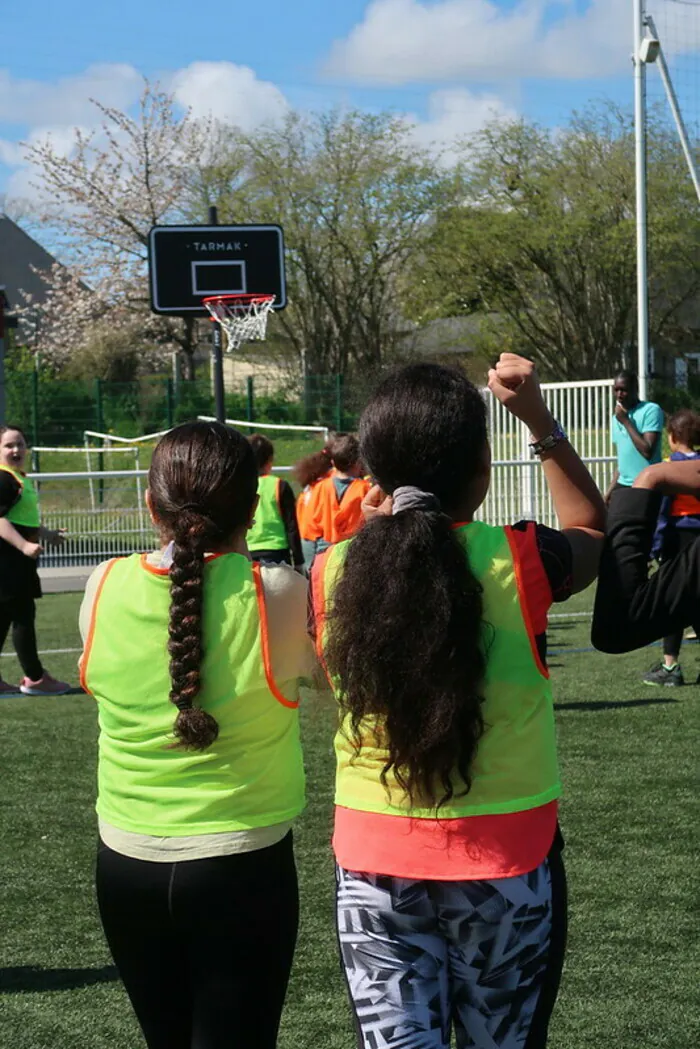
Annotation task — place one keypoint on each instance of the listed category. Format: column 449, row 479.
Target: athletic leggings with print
column 480, row 959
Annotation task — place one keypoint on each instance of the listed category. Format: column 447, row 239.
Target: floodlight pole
column 640, row 128
column 217, row 350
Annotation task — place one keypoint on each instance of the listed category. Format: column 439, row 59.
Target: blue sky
column 447, row 64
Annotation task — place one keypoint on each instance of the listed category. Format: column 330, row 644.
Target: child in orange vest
column 678, row 526
column 334, row 510
column 309, row 472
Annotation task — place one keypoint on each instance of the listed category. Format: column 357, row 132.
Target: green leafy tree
column 543, row 243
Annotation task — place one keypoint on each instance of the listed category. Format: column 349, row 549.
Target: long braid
column 202, row 486
column 194, row 728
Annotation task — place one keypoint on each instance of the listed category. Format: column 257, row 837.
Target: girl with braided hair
column 451, row 896
column 195, row 656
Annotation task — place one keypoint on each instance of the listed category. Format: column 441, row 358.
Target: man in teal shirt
column 636, row 432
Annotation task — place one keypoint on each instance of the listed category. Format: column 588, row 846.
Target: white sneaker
column 45, row 686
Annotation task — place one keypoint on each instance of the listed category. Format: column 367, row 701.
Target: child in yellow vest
column 451, row 889
column 274, row 535
column 21, row 535
column 195, row 655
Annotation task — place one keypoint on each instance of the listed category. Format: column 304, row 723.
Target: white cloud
column 10, row 153
column 66, row 102
column 403, row 41
column 229, row 93
column 56, row 110
column 454, row 114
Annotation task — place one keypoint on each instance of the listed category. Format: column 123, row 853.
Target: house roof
column 19, row 253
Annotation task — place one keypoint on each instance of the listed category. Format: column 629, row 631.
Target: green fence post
column 170, row 403
column 339, row 402
column 250, row 399
column 309, row 410
column 35, row 419
column 100, row 427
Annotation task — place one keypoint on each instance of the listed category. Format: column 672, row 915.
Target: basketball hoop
column 242, row 317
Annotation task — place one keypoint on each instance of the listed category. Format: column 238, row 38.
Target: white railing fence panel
column 104, row 514
column 518, row 490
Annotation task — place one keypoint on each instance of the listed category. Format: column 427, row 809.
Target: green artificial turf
column 629, row 815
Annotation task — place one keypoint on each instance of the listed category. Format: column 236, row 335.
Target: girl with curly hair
column 451, row 897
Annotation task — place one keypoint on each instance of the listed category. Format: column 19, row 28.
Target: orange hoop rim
column 241, row 298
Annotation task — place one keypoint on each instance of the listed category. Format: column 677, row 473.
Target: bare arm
column 578, row 503
column 9, row 533
column 671, row 478
column 645, row 443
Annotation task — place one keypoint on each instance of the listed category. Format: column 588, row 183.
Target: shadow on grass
column 23, row 978
column 75, row 691
column 614, row 705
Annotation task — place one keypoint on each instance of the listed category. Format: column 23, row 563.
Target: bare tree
column 355, row 196
column 100, row 200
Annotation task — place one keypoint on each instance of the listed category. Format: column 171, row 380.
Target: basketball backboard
column 187, row 263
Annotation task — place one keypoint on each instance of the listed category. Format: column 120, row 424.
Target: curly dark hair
column 406, row 641
column 312, row 467
column 684, row 427
column 202, row 483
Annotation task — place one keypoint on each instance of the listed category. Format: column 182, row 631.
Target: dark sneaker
column 659, row 675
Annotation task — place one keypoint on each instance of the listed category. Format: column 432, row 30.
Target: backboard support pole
column 217, row 350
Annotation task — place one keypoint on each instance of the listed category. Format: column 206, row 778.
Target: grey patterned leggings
column 424, row 957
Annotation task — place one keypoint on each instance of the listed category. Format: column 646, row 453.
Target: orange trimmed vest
column 515, row 768
column 252, row 775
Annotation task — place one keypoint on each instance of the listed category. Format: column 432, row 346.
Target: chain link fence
column 57, row 412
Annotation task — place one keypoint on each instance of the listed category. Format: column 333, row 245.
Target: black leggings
column 204, row 947
column 679, row 540
column 20, row 613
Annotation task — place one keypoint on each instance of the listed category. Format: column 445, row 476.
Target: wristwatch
column 550, row 441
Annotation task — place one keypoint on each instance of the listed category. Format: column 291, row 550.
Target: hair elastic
column 408, row 497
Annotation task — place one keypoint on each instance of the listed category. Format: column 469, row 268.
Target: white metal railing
column 518, row 489
column 104, row 511
column 246, row 424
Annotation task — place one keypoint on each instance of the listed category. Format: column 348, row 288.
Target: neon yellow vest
column 25, row 512
column 516, row 763
column 268, row 531
column 252, row 775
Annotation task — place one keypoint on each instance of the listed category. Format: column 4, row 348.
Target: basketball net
column 242, row 317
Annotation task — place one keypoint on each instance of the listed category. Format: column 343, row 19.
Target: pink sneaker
column 45, row 686
column 8, row 690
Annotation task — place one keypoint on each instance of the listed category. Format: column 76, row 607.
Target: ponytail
column 195, row 729
column 407, row 642
column 405, row 645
